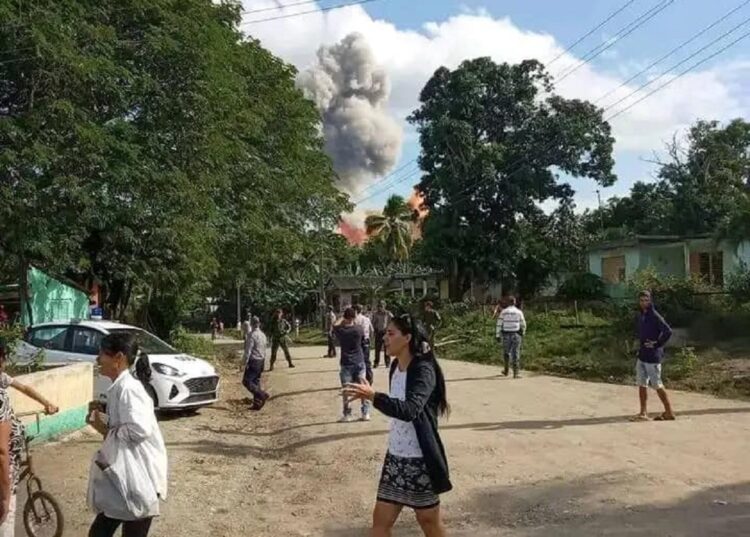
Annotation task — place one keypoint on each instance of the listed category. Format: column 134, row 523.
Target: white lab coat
column 133, row 454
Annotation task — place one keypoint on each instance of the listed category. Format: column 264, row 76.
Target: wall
column 632, row 265
column 52, row 300
column 666, row 260
column 69, row 387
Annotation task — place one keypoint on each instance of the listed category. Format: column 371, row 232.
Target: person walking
column 330, row 322
column 214, row 328
column 12, row 444
column 364, row 322
column 129, row 472
column 350, row 337
column 380, row 321
column 254, row 359
column 432, row 321
column 653, row 333
column 510, row 330
column 280, row 329
column 415, row 471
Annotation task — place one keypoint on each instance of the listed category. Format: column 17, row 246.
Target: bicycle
column 42, row 516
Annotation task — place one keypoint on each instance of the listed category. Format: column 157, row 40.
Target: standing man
column 363, row 321
column 380, row 321
column 353, row 370
column 432, row 321
column 253, row 360
column 510, row 329
column 280, row 329
column 653, row 332
column 330, row 323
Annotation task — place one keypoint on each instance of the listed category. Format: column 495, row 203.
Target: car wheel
column 152, row 394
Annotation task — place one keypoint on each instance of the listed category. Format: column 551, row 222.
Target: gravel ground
column 537, row 457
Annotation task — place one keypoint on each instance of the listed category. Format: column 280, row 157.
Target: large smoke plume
column 352, row 92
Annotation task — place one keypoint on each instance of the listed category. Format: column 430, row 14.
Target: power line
column 592, row 31
column 679, row 64
column 278, row 7
column 674, row 50
column 391, row 174
column 299, row 14
column 680, row 75
column 402, row 179
column 619, row 36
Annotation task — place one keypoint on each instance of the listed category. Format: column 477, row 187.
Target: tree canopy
column 391, row 231
column 495, row 139
column 150, row 146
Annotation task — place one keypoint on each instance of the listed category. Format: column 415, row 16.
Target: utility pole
column 601, row 212
column 239, row 307
column 322, row 277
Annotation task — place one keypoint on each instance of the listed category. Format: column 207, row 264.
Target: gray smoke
column 351, row 93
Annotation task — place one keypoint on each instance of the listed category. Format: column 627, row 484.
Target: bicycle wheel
column 42, row 516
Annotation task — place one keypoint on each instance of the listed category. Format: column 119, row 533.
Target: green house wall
column 52, row 300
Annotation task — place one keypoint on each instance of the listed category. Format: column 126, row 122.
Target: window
column 86, row 341
column 49, row 337
column 711, row 267
column 613, row 269
column 148, row 343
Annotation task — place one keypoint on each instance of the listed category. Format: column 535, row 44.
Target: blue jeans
column 512, row 349
column 368, row 364
column 351, row 374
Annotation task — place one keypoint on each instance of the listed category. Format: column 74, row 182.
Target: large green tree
column 149, row 145
column 494, row 139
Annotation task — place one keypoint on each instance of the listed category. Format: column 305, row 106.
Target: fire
column 416, row 202
column 354, row 234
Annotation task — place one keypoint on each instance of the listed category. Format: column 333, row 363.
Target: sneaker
column 346, row 418
column 365, row 417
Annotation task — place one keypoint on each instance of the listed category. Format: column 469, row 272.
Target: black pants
column 104, row 526
column 275, row 344
column 331, row 347
column 380, row 347
column 251, row 379
column 368, row 362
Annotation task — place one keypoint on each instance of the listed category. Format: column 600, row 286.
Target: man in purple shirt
column 653, row 332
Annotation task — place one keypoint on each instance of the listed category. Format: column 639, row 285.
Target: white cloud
column 411, row 57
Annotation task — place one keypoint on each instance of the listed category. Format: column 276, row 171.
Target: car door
column 84, row 343
column 52, row 339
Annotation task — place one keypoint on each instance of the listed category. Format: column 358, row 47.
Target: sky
column 410, row 40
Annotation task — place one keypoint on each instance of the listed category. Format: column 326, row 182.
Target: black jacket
column 421, row 408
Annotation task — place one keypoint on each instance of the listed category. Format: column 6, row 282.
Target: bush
column 193, row 344
column 582, row 286
column 738, row 285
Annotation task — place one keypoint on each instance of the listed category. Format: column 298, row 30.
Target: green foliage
column 582, row 286
column 678, row 299
column 391, row 230
column 193, row 344
column 157, row 151
column 682, row 364
column 738, row 285
column 484, row 130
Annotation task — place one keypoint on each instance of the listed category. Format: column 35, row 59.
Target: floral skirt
column 406, row 482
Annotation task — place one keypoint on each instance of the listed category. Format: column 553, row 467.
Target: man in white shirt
column 364, row 322
column 511, row 327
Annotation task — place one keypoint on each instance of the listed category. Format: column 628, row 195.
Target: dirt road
column 537, row 457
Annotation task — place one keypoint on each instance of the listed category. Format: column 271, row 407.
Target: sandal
column 665, row 417
column 640, row 417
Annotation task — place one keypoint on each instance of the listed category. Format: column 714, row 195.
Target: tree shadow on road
column 589, row 506
column 239, row 450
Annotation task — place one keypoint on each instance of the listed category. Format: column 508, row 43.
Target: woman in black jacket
column 415, row 470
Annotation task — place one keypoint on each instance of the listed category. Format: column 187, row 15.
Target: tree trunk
column 25, row 295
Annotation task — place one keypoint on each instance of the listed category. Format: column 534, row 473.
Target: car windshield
column 148, row 343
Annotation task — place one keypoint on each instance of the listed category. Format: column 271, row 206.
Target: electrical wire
column 309, row 12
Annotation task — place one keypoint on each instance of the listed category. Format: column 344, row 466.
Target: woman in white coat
column 129, row 472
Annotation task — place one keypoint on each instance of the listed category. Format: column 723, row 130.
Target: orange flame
column 352, row 233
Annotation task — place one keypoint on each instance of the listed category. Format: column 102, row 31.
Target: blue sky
column 441, row 32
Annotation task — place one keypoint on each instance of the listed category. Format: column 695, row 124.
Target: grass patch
column 594, row 347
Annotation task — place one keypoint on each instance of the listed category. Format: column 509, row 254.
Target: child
column 7, row 381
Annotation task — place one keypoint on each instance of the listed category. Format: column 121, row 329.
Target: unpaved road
column 537, row 457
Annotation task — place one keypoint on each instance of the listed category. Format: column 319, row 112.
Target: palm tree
column 392, row 228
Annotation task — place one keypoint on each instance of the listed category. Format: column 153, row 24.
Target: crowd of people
column 128, row 476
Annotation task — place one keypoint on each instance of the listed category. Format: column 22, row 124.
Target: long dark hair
column 420, row 349
column 127, row 345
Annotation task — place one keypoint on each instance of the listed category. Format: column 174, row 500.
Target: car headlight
column 167, row 370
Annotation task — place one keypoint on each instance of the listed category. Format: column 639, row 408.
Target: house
column 670, row 255
column 51, row 298
column 346, row 290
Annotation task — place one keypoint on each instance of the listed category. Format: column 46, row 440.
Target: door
column 613, row 269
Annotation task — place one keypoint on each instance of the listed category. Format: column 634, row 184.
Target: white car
column 178, row 381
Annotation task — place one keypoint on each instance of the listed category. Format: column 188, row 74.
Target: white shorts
column 648, row 375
